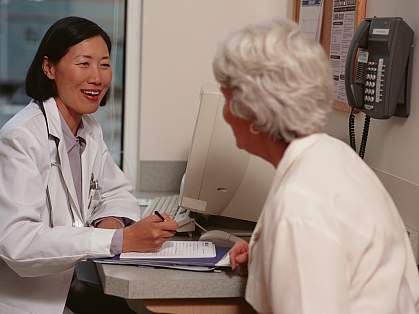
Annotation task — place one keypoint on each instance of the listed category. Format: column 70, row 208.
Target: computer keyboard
column 164, row 204
column 169, row 205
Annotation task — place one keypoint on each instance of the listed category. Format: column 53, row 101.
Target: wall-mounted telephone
column 379, row 84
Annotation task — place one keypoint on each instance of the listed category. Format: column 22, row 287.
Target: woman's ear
column 48, row 68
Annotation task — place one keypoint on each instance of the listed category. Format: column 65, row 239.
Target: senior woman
column 329, row 239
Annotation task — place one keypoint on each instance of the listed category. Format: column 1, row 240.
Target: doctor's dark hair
column 58, row 39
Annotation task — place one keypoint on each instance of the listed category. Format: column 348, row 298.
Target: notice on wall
column 342, row 31
column 311, row 17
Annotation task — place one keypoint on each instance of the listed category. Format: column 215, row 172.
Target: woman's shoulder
column 29, row 121
column 25, row 134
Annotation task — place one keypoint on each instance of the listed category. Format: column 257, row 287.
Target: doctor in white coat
column 329, row 239
column 51, row 198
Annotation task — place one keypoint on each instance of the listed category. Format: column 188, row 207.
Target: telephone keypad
column 370, row 84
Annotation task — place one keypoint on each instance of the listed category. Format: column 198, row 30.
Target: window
column 22, row 26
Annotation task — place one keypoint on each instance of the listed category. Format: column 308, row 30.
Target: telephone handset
column 379, row 84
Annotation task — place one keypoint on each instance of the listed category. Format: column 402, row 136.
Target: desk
column 176, row 291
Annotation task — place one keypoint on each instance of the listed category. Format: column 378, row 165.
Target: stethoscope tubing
column 67, row 194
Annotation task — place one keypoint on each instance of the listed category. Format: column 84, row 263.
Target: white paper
column 225, row 261
column 311, row 17
column 177, row 249
column 342, row 31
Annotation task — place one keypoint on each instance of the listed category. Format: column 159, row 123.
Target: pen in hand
column 159, row 215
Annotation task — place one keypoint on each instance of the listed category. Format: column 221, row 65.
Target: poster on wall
column 342, row 31
column 311, row 17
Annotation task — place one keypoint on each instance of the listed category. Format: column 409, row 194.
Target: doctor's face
column 82, row 76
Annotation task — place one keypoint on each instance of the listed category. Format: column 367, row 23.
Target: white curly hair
column 281, row 79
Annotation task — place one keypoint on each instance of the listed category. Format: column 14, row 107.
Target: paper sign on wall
column 311, row 17
column 342, row 31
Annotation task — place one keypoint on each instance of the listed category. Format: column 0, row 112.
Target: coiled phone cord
column 365, row 130
column 364, row 136
column 352, row 129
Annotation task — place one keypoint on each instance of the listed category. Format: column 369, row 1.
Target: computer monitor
column 221, row 179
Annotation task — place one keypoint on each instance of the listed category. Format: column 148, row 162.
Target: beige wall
column 178, row 44
column 393, row 145
column 179, row 40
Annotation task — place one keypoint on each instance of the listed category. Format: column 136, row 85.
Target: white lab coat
column 37, row 261
column 330, row 239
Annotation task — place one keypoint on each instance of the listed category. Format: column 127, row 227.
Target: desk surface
column 132, row 282
column 141, row 283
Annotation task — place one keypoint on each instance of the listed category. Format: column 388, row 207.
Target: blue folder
column 195, row 264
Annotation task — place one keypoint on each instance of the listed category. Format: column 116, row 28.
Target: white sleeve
column 306, row 271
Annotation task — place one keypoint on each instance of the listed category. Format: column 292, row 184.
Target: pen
column 159, row 215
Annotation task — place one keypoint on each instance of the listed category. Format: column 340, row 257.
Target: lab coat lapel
column 54, row 127
column 88, row 160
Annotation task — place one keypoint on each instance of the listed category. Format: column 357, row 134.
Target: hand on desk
column 148, row 234
column 239, row 256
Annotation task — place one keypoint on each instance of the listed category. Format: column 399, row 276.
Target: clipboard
column 220, row 261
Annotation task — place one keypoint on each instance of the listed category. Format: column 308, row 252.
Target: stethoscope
column 94, row 187
column 74, row 223
column 93, row 190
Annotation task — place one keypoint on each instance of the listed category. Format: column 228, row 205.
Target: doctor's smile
column 91, row 94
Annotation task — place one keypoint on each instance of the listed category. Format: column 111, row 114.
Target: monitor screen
column 221, row 179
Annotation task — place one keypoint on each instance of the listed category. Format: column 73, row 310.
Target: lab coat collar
column 54, row 121
column 52, row 118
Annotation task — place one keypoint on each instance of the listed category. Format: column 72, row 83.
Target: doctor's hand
column 239, row 256
column 148, row 234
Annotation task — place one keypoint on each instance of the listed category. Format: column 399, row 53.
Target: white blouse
column 330, row 239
